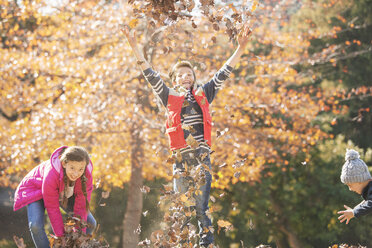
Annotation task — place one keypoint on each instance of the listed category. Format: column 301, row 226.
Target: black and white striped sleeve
column 157, row 84
column 211, row 88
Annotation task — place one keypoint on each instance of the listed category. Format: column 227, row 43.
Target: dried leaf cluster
column 76, row 238
column 166, row 12
column 178, row 229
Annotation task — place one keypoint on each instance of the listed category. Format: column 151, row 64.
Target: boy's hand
column 130, row 35
column 347, row 214
column 244, row 35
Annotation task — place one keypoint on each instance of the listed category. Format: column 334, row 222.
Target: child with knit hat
column 356, row 176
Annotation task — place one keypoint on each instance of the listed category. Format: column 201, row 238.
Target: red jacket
column 174, row 125
column 45, row 181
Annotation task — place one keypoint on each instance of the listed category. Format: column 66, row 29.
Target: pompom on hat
column 354, row 170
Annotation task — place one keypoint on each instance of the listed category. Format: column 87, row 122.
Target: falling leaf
column 214, row 39
column 190, row 140
column 216, row 27
column 239, row 163
column 133, row 23
column 98, row 182
column 223, row 165
column 179, row 156
column 145, row 189
column 237, row 174
column 145, row 242
column 191, row 5
column 203, row 156
column 224, row 224
column 138, row 230
column 254, row 5
column 199, row 92
column 171, row 159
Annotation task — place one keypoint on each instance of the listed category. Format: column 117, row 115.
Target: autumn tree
column 343, row 39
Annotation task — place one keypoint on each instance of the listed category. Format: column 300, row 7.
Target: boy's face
column 74, row 169
column 356, row 187
column 184, row 77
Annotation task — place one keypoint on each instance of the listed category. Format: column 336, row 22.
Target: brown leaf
column 171, row 160
column 216, row 27
column 214, row 39
column 133, row 23
column 145, row 189
column 192, row 142
column 145, row 242
column 191, row 5
column 237, row 174
column 224, row 224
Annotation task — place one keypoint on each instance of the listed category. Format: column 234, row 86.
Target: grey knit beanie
column 354, row 170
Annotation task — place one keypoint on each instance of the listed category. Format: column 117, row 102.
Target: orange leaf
column 133, row 23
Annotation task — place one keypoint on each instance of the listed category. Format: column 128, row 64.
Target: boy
column 189, row 119
column 356, row 176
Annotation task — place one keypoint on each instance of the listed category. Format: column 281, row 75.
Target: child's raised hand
column 244, row 35
column 347, row 214
column 130, row 35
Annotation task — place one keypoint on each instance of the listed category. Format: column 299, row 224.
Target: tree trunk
column 283, row 225
column 133, row 212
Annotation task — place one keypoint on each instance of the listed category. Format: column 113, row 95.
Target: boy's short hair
column 354, row 170
column 182, row 63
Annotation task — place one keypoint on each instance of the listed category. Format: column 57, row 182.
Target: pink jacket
column 45, row 181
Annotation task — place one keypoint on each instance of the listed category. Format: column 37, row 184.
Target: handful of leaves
column 75, row 237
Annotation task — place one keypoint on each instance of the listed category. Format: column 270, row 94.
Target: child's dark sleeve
column 365, row 207
column 211, row 88
column 157, row 84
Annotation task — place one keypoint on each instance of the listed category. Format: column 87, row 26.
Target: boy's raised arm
column 243, row 39
column 211, row 88
column 132, row 40
column 151, row 76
